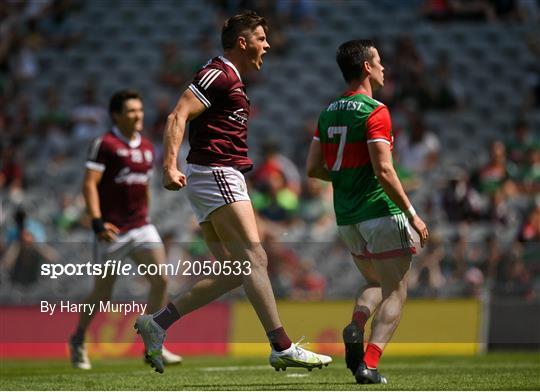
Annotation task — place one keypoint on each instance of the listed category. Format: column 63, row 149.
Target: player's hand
column 420, row 227
column 174, row 179
column 110, row 233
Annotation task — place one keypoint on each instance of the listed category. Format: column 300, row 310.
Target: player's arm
column 315, row 165
column 381, row 159
column 104, row 230
column 187, row 108
column 380, row 155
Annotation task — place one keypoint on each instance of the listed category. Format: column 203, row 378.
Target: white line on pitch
column 299, row 375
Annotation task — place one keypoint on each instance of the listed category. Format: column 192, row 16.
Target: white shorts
column 144, row 237
column 210, row 187
column 379, row 238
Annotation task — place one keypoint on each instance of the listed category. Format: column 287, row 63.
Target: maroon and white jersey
column 218, row 137
column 126, row 166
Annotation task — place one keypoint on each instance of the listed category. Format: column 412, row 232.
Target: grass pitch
column 502, row 371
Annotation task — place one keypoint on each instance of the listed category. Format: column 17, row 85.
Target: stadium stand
column 491, row 76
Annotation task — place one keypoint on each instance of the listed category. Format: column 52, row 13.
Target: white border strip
column 199, row 95
column 95, row 166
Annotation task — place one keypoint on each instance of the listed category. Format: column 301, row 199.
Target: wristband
column 410, row 212
column 98, row 225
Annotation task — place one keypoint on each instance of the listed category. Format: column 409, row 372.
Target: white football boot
column 297, row 356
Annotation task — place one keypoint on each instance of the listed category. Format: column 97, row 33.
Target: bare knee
column 256, row 255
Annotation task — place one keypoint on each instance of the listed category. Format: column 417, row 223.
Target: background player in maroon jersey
column 218, row 110
column 116, row 191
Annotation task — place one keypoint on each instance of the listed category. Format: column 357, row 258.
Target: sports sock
column 372, row 356
column 165, row 317
column 360, row 318
column 78, row 336
column 278, row 339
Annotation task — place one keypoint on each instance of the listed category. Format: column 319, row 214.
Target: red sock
column 278, row 339
column 372, row 356
column 360, row 318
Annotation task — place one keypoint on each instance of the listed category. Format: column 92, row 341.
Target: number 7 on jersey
column 342, row 131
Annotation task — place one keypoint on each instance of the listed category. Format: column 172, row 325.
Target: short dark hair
column 238, row 24
column 351, row 56
column 116, row 104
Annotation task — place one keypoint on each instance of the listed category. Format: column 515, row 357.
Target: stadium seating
column 121, row 47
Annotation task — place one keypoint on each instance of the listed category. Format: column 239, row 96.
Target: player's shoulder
column 371, row 102
column 214, row 68
column 146, row 143
column 103, row 141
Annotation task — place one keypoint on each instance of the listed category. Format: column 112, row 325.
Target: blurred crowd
column 485, row 221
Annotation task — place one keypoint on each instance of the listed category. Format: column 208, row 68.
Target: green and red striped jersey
column 344, row 130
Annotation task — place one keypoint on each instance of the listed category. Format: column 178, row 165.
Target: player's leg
column 102, row 291
column 236, row 228
column 367, row 301
column 154, row 253
column 390, row 245
column 212, row 287
column 158, row 283
column 393, row 273
column 370, row 295
column 152, row 327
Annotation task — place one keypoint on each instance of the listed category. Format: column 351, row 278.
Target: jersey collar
column 354, row 92
column 131, row 143
column 231, row 65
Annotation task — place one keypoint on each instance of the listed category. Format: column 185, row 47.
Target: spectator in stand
column 493, row 257
column 529, row 176
column 11, row 173
column 274, row 200
column 515, row 279
column 58, row 28
column 419, row 148
column 174, row 71
column 446, row 92
column 528, row 11
column 54, row 112
column 444, row 10
column 90, row 119
column 530, row 229
column 274, row 161
column 408, row 63
column 26, row 66
column 309, row 284
column 292, row 277
column 532, row 75
column 520, row 143
column 459, row 255
column 492, row 175
column 427, row 271
column 26, row 250
column 315, row 207
column 21, row 123
column 437, row 10
column 52, row 141
column 502, row 209
column 299, row 13
column 70, row 213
